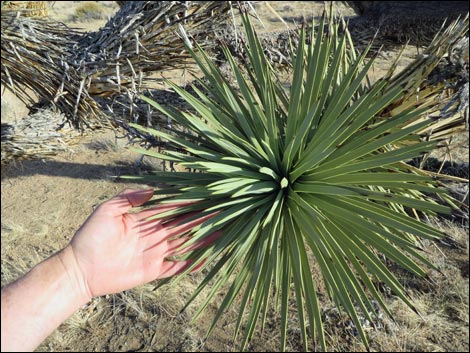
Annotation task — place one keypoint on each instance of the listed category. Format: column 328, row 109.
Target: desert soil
column 44, row 202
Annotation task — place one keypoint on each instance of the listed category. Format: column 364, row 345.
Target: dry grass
column 142, row 319
column 64, row 11
column 87, row 11
column 442, row 301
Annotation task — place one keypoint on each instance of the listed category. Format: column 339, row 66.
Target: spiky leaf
column 313, row 171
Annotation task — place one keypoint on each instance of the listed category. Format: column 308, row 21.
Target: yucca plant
column 291, row 173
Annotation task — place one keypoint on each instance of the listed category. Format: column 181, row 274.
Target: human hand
column 115, row 250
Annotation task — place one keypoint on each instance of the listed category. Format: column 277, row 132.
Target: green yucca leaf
column 312, row 173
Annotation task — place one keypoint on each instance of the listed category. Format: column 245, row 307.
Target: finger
column 184, row 217
column 149, row 228
column 137, row 197
column 176, row 248
column 125, row 200
column 207, row 241
column 198, row 266
column 157, row 232
column 159, row 209
column 173, row 268
column 158, row 270
column 174, row 245
column 179, row 227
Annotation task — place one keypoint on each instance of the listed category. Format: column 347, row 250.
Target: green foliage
column 316, row 170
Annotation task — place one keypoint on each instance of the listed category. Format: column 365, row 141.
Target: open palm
column 116, row 250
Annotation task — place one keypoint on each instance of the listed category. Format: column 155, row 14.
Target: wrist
column 76, row 278
column 37, row 303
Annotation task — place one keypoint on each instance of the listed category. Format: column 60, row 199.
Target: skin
column 113, row 251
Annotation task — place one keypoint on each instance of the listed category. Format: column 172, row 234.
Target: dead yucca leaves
column 50, row 61
column 40, row 135
column 439, row 86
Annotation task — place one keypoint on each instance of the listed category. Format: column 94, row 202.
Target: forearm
column 36, row 304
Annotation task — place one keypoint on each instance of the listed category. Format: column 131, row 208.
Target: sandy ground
column 44, row 203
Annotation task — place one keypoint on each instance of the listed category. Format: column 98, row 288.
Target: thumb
column 136, row 197
column 125, row 200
